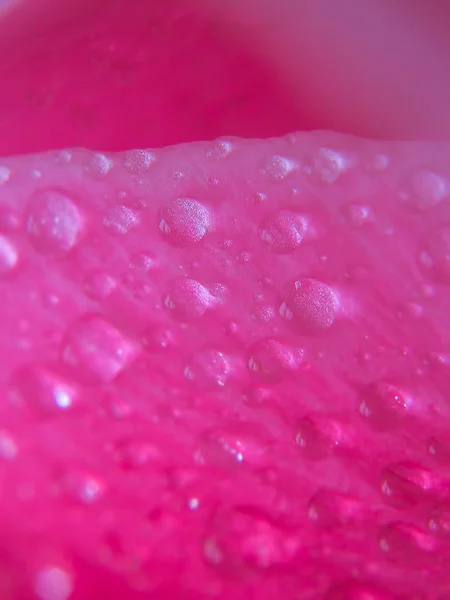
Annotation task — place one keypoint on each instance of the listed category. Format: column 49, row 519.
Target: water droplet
column 328, row 165
column 380, row 162
column 98, row 165
column 8, row 256
column 406, row 484
column 220, row 149
column 99, row 285
column 332, row 509
column 311, row 305
column 157, row 338
column 8, row 446
column 405, row 539
column 283, row 231
column 53, row 221
column 436, row 256
column 42, row 388
column 138, row 161
column 358, row 214
column 188, row 299
column 385, row 404
column 208, row 368
column 82, row 485
column 238, row 442
column 439, row 521
column 352, row 590
column 96, row 351
column 142, row 262
column 120, row 219
column 318, row 437
column 9, row 219
column 53, row 583
column 184, row 221
column 246, row 535
column 5, row 174
column 135, row 454
column 424, row 189
column 439, row 448
column 278, row 168
column 273, row 360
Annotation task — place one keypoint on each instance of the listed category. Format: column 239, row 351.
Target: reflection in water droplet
column 184, row 221
column 53, row 221
column 96, row 351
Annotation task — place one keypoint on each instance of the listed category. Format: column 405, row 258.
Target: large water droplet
column 424, row 189
column 439, row 520
column 120, row 219
column 184, row 221
column 405, row 540
column 53, row 221
column 435, row 258
column 311, row 305
column 283, row 231
column 96, row 351
column 8, row 256
column 188, row 299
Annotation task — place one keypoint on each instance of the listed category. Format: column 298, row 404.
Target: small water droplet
column 98, row 165
column 311, row 305
column 53, row 221
column 385, row 404
column 283, row 231
column 53, row 583
column 8, row 256
column 188, row 299
column 99, row 285
column 120, row 219
column 439, row 520
column 423, row 189
column 235, row 442
column 208, row 368
column 435, row 258
column 184, row 221
column 96, row 351
column 138, row 161
column 273, row 360
column 278, row 168
column 42, row 388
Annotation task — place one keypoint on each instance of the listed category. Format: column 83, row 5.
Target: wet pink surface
column 224, row 365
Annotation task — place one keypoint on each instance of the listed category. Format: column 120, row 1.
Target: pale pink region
column 190, row 437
